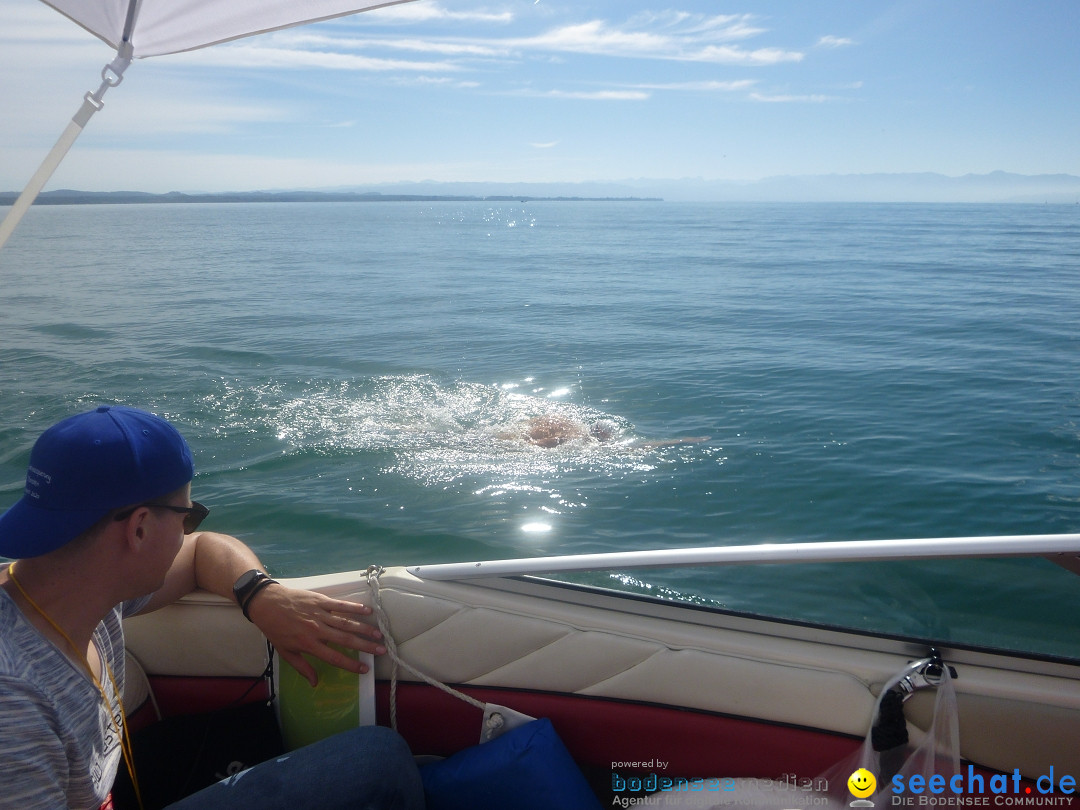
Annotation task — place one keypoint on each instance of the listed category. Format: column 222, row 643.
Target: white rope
column 383, row 622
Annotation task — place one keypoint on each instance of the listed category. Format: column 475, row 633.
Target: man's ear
column 136, row 528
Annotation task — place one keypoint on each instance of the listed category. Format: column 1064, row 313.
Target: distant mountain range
column 71, row 197
column 995, row 187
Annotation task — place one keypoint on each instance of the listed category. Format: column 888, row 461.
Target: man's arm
column 294, row 621
column 669, row 442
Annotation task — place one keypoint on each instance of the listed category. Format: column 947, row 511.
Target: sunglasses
column 193, row 515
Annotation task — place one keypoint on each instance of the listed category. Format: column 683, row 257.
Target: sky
column 559, row 91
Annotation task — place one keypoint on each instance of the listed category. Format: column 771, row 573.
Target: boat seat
column 139, row 704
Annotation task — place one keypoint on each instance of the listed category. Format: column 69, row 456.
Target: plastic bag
column 937, row 754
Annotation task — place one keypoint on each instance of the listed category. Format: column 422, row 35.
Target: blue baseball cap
column 87, row 465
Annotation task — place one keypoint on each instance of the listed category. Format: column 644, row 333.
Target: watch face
column 246, row 580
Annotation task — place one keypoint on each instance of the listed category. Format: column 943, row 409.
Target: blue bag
column 527, row 768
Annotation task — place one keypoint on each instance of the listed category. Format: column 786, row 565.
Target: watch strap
column 259, row 585
column 248, row 585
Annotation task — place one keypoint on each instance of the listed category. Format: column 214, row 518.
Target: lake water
column 348, row 375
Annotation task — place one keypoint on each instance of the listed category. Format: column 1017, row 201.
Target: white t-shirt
column 58, row 745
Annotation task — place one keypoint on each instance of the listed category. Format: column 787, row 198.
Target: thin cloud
column 830, row 41
column 597, row 37
column 443, row 47
column 305, row 39
column 644, row 91
column 435, row 81
column 685, row 37
column 726, row 54
column 723, row 27
column 433, row 12
column 672, row 36
column 704, row 86
column 548, row 145
column 592, row 95
column 791, row 99
column 251, row 55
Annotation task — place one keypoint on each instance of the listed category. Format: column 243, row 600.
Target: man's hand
column 297, row 622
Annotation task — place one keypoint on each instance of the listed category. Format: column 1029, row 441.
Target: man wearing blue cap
column 106, row 528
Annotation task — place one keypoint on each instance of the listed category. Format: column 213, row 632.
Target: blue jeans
column 367, row 768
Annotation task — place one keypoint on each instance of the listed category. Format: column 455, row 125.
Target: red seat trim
column 601, row 731
column 177, row 694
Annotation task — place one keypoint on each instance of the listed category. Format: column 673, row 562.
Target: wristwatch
column 247, row 585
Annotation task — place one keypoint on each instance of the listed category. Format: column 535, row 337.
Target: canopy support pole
column 111, row 75
column 1059, row 548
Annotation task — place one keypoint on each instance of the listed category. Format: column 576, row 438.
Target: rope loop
column 373, row 573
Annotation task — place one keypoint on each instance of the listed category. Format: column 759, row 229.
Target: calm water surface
column 347, row 375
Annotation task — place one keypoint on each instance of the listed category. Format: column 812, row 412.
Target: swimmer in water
column 552, row 430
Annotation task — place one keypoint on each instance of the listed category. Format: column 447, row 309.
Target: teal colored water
column 347, row 375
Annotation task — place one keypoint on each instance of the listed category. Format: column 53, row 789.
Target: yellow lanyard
column 122, row 728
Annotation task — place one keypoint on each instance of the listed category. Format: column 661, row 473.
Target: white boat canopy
column 141, row 28
column 159, row 27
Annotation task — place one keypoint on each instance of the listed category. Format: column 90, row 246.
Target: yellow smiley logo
column 861, row 783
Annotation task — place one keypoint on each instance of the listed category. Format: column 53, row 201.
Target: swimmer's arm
column 671, row 442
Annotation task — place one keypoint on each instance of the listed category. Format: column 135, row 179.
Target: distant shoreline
column 917, row 187
column 69, row 197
